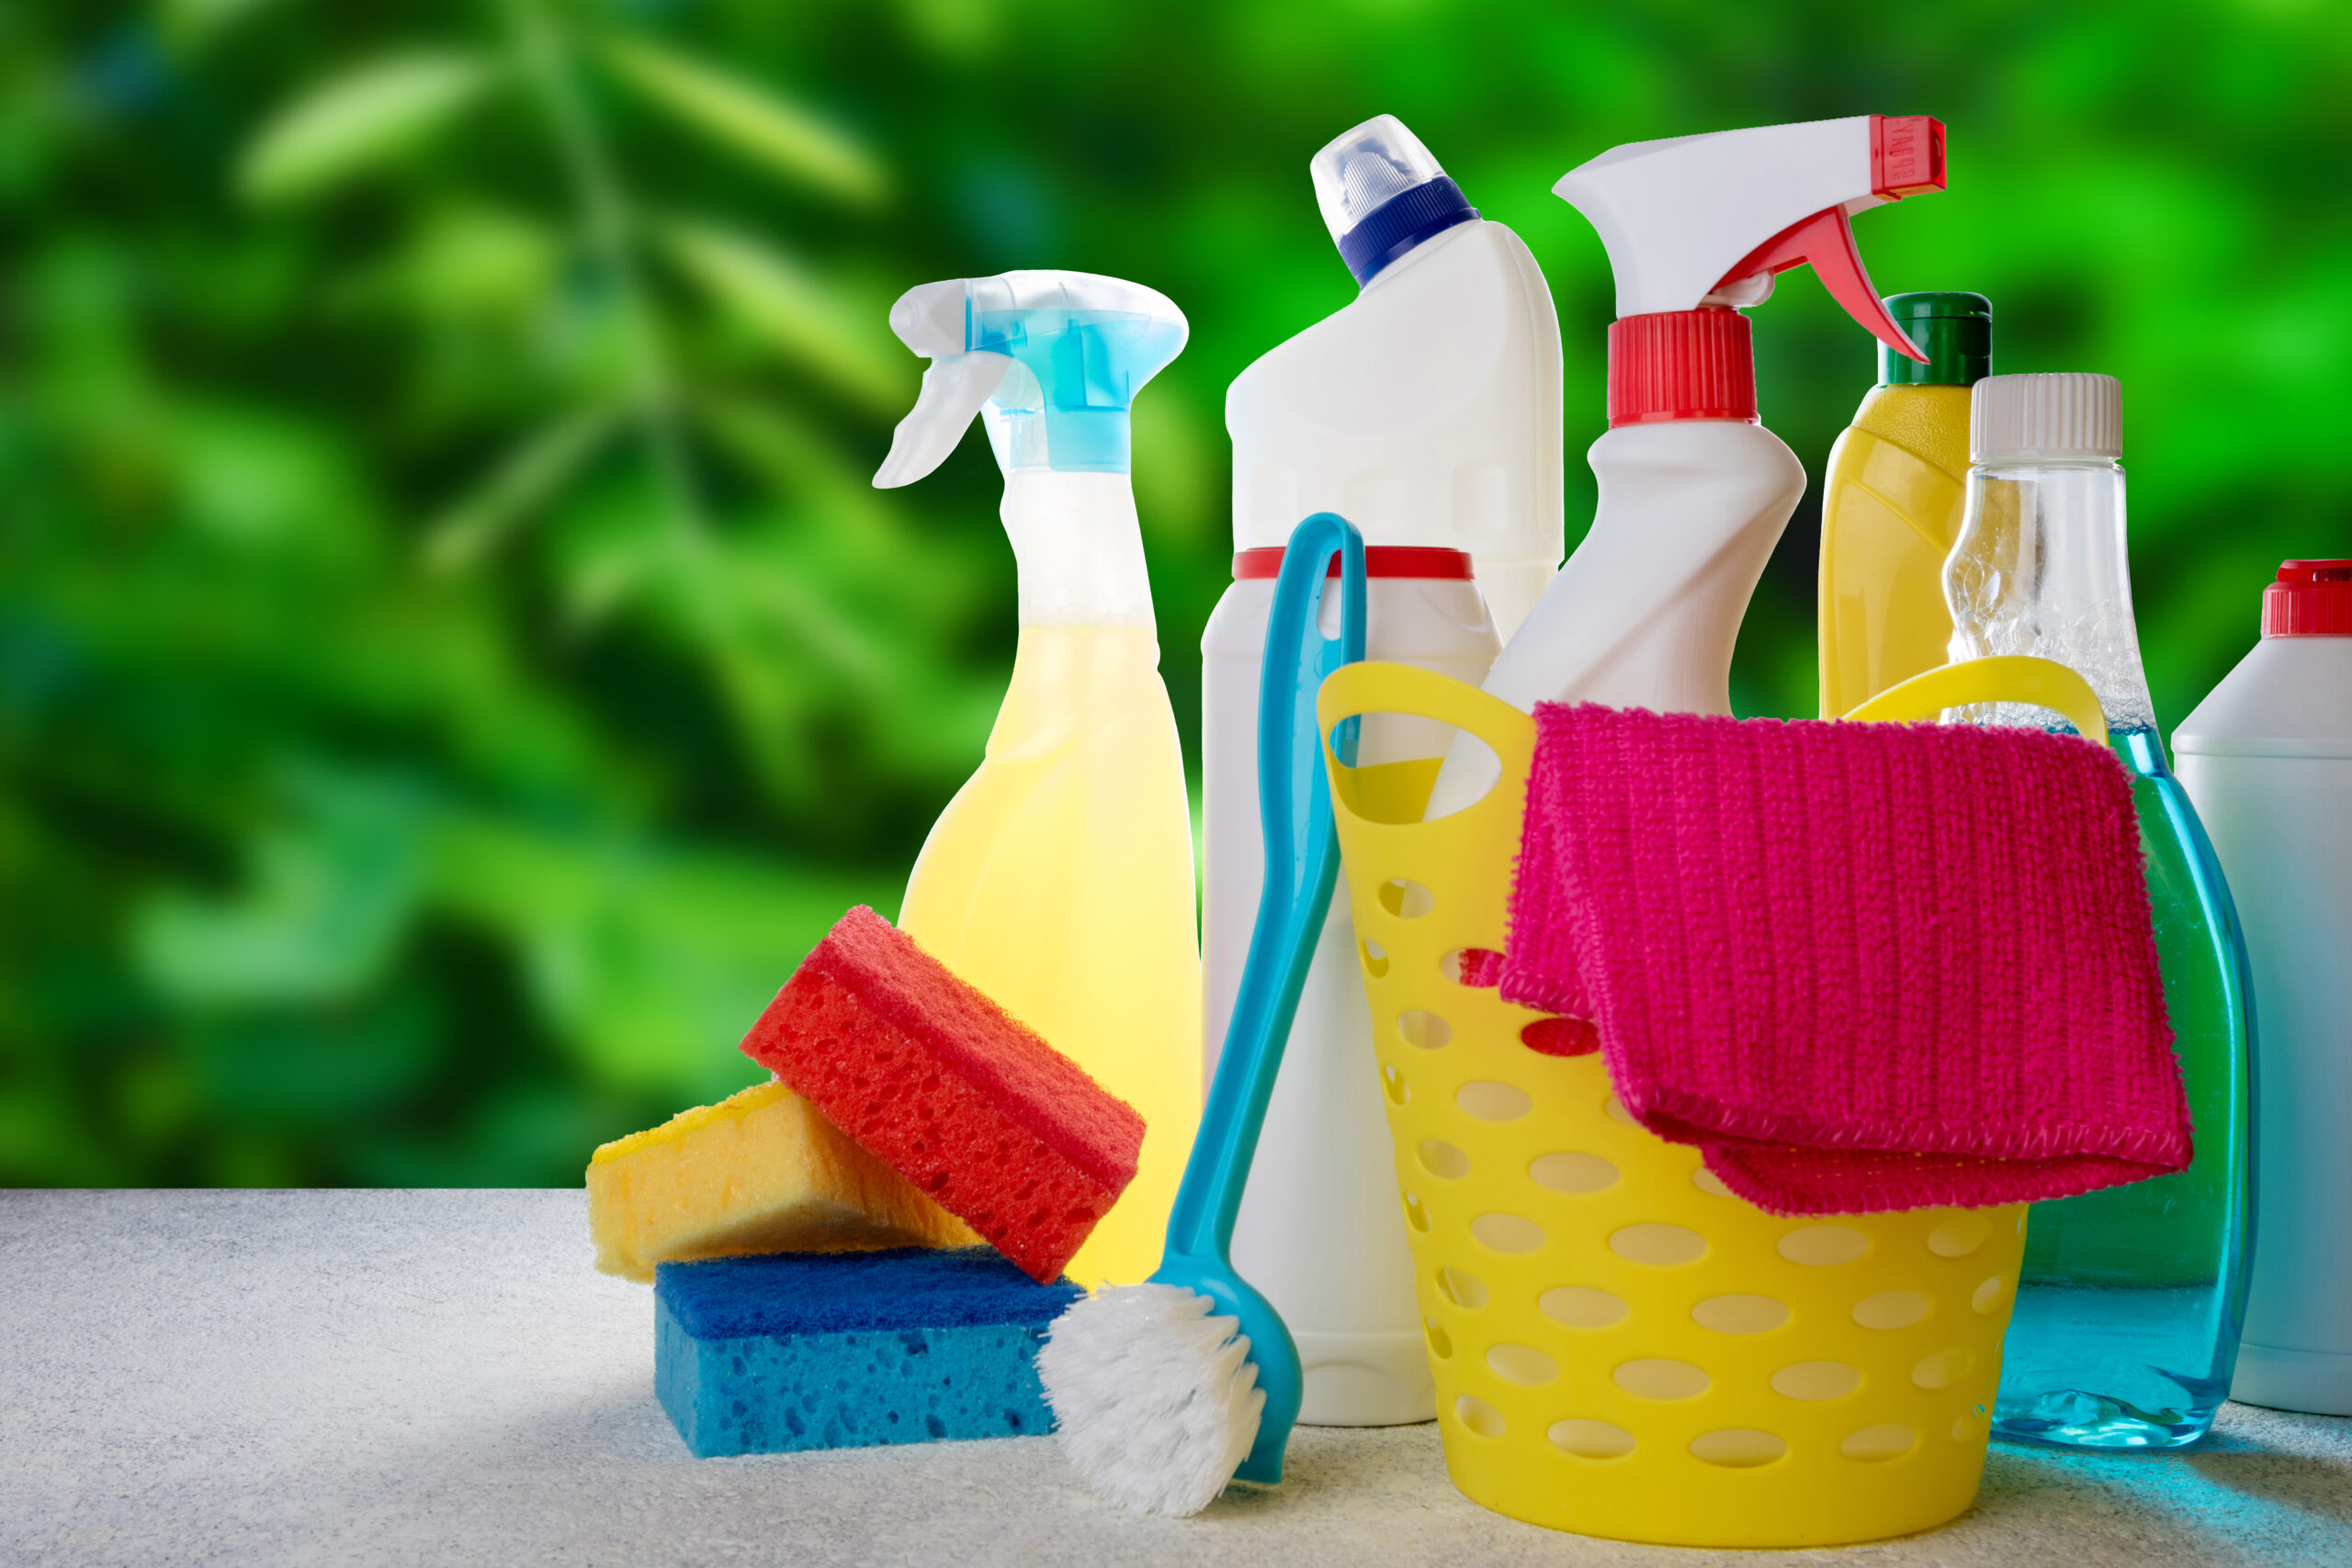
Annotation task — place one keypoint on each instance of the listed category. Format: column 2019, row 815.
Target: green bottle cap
column 1956, row 331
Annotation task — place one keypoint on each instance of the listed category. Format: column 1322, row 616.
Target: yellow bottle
column 1059, row 879
column 1890, row 508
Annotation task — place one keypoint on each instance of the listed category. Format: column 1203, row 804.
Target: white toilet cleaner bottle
column 2266, row 758
column 1059, row 879
column 1694, row 492
column 1426, row 413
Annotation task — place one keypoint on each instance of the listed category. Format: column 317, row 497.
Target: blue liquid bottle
column 2132, row 1299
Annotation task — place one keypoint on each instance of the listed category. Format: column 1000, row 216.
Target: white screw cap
column 2073, row 414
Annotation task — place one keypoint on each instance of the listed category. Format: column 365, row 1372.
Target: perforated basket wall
column 1621, row 1347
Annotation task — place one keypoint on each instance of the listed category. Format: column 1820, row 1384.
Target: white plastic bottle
column 1318, row 1230
column 2267, row 757
column 1694, row 492
column 1428, row 411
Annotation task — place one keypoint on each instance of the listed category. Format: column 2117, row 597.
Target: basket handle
column 1354, row 690
column 2004, row 678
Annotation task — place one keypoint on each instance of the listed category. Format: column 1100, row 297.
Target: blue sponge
column 848, row 1350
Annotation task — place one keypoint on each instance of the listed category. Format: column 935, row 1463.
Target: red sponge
column 951, row 1091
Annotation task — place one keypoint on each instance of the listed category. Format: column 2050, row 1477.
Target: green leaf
column 466, row 264
column 196, row 23
column 791, row 309
column 359, row 120
column 254, row 479
column 753, row 120
column 289, row 1070
column 611, row 547
column 789, row 453
column 519, row 486
column 649, row 959
column 329, row 895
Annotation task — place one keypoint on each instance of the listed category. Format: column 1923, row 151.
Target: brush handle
column 1302, row 864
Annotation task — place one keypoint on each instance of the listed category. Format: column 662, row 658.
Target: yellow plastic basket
column 1621, row 1347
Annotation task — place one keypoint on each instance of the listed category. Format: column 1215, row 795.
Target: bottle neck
column 2040, row 567
column 1678, row 364
column 1439, row 229
column 1078, row 548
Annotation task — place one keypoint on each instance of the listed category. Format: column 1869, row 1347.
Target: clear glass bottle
column 2132, row 1299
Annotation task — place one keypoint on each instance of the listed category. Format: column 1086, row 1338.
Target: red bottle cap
column 1426, row 561
column 1681, row 365
column 2312, row 598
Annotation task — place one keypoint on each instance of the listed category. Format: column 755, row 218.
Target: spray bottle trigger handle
column 954, row 388
column 1826, row 241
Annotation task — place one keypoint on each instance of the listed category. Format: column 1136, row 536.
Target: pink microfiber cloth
column 1862, row 966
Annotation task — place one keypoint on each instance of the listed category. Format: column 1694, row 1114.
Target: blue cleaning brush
column 1164, row 1392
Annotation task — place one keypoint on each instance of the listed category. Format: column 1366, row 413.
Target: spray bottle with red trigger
column 1694, row 492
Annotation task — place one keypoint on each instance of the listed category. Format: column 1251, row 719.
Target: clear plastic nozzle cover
column 1360, row 172
column 1052, row 359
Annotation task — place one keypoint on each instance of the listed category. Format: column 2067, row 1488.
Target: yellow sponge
column 760, row 1171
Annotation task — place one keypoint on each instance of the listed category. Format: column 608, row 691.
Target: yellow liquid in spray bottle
column 1060, row 880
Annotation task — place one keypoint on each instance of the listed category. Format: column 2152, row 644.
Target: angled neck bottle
column 1693, row 490
column 2132, row 1300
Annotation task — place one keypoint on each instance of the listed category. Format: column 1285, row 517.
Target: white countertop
column 426, row 1377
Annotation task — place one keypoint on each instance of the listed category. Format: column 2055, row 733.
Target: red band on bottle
column 1429, row 562
column 1681, row 365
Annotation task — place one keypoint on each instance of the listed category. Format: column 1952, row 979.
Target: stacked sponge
column 768, row 1354
column 760, row 1171
column 1009, row 1135
column 792, row 1230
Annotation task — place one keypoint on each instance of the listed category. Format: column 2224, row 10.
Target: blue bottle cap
column 1382, row 194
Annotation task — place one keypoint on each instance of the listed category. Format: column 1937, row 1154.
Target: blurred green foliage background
column 452, row 664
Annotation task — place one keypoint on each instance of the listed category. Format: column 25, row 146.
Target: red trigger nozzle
column 1827, row 239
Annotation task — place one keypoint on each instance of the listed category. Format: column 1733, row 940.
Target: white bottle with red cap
column 2267, row 757
column 1694, row 492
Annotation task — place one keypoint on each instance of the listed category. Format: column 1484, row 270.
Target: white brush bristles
column 1155, row 1402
